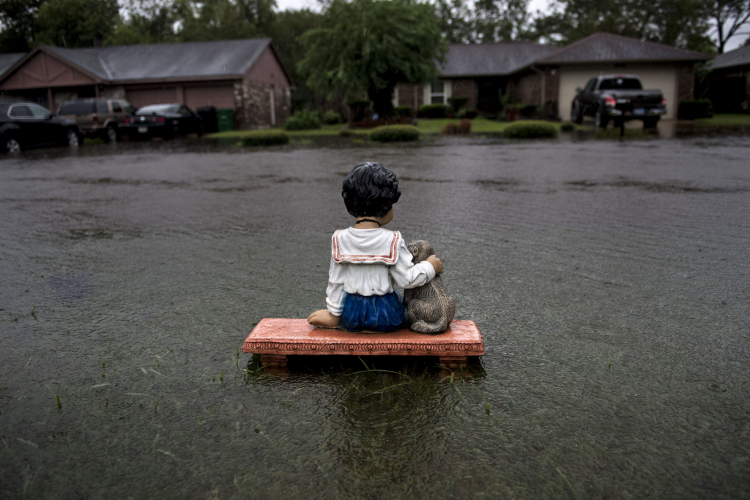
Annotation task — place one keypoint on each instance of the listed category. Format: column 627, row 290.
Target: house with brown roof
column 548, row 76
column 245, row 75
column 727, row 84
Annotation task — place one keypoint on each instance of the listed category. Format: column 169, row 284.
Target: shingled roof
column 8, row 60
column 606, row 47
column 737, row 57
column 483, row 59
column 166, row 61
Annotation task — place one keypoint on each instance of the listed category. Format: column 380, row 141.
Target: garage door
column 144, row 97
column 218, row 96
column 661, row 78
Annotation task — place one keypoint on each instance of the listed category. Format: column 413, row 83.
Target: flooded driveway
column 611, row 282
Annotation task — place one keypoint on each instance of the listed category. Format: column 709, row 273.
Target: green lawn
column 425, row 126
column 725, row 119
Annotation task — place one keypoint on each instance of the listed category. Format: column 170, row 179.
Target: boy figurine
column 367, row 261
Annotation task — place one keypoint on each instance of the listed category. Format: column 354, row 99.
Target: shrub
column 567, row 127
column 395, row 133
column 690, row 109
column 433, row 111
column 469, row 113
column 402, row 110
column 462, row 128
column 331, row 118
column 530, row 130
column 302, row 120
column 381, row 122
column 530, row 111
column 265, row 138
column 346, row 133
column 458, row 102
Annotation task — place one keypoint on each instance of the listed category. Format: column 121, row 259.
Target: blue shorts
column 381, row 313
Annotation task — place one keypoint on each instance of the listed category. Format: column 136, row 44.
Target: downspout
column 540, row 72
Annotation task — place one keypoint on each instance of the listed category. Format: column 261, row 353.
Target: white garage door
column 662, row 78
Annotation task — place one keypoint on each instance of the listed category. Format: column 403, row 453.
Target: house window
column 437, row 93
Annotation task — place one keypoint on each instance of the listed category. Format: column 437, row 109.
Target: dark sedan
column 162, row 120
column 26, row 125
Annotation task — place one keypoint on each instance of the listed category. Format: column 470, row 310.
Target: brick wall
column 526, row 88
column 685, row 83
column 465, row 88
column 253, row 104
column 551, row 93
column 411, row 94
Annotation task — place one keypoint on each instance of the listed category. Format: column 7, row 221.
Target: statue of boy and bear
column 369, row 261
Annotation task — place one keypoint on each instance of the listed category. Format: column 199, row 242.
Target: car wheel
column 12, row 145
column 575, row 114
column 110, row 135
column 175, row 132
column 73, row 139
column 600, row 120
column 201, row 131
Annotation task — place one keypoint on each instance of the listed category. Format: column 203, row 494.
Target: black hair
column 370, row 189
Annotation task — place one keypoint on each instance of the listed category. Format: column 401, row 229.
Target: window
column 437, row 93
column 116, row 107
column 183, row 111
column 620, row 83
column 40, row 112
column 102, row 108
column 590, row 86
column 128, row 107
column 77, row 108
column 20, row 111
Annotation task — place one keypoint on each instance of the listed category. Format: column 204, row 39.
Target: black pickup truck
column 618, row 98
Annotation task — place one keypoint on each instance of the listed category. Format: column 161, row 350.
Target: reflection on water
column 610, row 281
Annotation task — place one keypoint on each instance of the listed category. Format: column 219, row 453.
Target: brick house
column 547, row 76
column 245, row 75
column 727, row 84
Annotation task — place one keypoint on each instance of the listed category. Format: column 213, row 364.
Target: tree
column 373, row 45
column 18, row 21
column 76, row 23
column 676, row 22
column 730, row 16
column 147, row 21
column 500, row 20
column 455, row 20
column 202, row 20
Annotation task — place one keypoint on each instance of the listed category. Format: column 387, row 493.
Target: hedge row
column 395, row 133
column 530, row 130
column 264, row 138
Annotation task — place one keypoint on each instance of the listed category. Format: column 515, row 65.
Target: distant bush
column 303, row 120
column 433, row 111
column 402, row 110
column 567, row 127
column 331, row 118
column 458, row 102
column 690, row 109
column 530, row 111
column 462, row 128
column 469, row 113
column 395, row 133
column 530, row 130
column 346, row 133
column 265, row 138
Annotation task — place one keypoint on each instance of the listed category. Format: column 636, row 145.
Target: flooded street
column 611, row 282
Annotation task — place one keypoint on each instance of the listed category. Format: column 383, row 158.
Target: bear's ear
column 413, row 248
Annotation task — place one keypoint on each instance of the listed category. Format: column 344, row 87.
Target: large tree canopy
column 372, row 45
column 75, row 23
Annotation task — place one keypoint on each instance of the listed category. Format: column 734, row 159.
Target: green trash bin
column 225, row 117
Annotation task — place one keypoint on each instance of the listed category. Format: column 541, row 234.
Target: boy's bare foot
column 324, row 318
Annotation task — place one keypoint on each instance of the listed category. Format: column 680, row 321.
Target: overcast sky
column 534, row 5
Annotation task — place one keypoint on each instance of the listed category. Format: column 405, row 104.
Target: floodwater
column 611, row 282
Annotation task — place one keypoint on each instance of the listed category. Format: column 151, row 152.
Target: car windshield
column 77, row 108
column 158, row 109
column 620, row 84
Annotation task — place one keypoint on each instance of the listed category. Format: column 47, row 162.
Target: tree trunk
column 382, row 101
